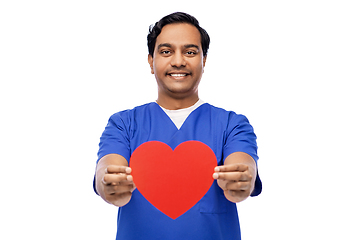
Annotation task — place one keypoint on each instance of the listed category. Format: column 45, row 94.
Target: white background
column 292, row 67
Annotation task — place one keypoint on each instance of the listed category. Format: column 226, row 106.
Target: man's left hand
column 236, row 179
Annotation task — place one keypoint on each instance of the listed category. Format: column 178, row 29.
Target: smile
column 178, row 75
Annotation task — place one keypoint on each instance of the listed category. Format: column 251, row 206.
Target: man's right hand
column 114, row 182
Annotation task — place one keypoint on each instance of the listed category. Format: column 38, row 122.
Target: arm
column 113, row 180
column 237, row 176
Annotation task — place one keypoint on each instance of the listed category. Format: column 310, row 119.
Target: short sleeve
column 116, row 136
column 240, row 137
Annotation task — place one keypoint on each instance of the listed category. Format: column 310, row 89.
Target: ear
column 204, row 61
column 150, row 61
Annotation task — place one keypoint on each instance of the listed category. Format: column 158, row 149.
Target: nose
column 178, row 60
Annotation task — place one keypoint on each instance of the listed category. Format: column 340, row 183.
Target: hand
column 117, row 185
column 236, row 180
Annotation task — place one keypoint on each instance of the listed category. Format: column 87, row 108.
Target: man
column 177, row 55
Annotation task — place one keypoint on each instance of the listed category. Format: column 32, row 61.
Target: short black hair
column 177, row 17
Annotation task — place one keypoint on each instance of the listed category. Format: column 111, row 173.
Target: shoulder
column 128, row 114
column 228, row 116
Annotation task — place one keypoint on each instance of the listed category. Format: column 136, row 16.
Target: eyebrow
column 186, row 46
column 164, row 45
column 192, row 46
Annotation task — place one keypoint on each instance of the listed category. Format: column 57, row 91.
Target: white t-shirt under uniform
column 179, row 116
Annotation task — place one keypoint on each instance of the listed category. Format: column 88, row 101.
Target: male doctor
column 177, row 56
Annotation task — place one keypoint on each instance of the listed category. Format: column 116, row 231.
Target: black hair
column 177, row 17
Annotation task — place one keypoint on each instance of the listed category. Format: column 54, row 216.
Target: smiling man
column 177, row 55
column 178, row 63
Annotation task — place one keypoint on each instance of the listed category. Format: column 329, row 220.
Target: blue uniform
column 213, row 217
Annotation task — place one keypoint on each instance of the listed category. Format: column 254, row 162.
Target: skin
column 114, row 182
column 237, row 176
column 177, row 51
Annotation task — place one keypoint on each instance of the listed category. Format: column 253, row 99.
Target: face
column 178, row 61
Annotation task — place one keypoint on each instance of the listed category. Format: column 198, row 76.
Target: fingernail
column 215, row 176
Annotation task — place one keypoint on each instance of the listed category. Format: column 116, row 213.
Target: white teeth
column 178, row 75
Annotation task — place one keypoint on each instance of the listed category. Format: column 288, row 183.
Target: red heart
column 173, row 181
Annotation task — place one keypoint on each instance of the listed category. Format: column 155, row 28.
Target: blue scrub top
column 213, row 217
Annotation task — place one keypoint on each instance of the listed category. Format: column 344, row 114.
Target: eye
column 165, row 52
column 190, row 53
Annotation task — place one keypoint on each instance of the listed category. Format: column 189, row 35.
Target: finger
column 239, row 194
column 232, row 168
column 118, row 189
column 116, row 178
column 117, row 169
column 233, row 176
column 117, row 197
column 238, row 186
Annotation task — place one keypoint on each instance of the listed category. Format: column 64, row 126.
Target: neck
column 176, row 104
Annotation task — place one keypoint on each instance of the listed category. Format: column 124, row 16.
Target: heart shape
column 173, row 181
